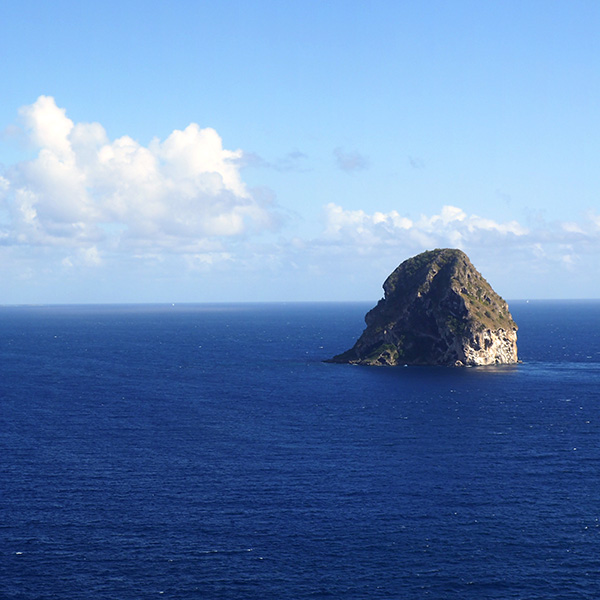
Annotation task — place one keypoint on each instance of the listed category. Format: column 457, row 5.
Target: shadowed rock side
column 437, row 310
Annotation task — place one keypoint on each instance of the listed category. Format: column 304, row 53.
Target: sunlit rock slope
column 437, row 310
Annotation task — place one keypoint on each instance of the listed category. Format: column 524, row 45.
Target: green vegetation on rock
column 437, row 309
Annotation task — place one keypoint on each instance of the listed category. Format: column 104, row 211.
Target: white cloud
column 569, row 259
column 207, row 260
column 48, row 124
column 86, row 257
column 571, row 227
column 193, row 154
column 538, row 250
column 595, row 219
column 452, row 226
column 527, row 258
column 83, row 189
column 4, row 186
column 339, row 220
column 91, row 256
column 148, row 214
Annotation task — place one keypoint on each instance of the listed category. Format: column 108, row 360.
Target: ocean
column 206, row 451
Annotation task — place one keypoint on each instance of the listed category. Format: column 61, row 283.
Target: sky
column 192, row 151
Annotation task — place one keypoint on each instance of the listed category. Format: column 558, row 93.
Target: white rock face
column 491, row 348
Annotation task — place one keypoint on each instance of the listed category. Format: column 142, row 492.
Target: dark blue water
column 207, row 452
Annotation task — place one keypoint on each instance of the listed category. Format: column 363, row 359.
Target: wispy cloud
column 292, row 161
column 350, row 161
column 416, row 163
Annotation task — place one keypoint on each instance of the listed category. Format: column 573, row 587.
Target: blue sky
column 233, row 151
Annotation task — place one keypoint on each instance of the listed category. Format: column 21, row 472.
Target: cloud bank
column 451, row 227
column 563, row 243
column 529, row 260
column 166, row 216
column 182, row 194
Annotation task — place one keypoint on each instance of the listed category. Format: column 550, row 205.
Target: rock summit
column 437, row 310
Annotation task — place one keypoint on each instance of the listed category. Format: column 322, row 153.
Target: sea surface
column 206, row 451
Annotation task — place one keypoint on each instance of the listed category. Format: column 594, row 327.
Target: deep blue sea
column 206, row 451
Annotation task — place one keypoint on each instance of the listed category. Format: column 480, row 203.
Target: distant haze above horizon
column 264, row 151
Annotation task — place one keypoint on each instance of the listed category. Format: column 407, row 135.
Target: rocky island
column 437, row 310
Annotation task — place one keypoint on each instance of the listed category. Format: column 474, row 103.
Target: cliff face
column 437, row 310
